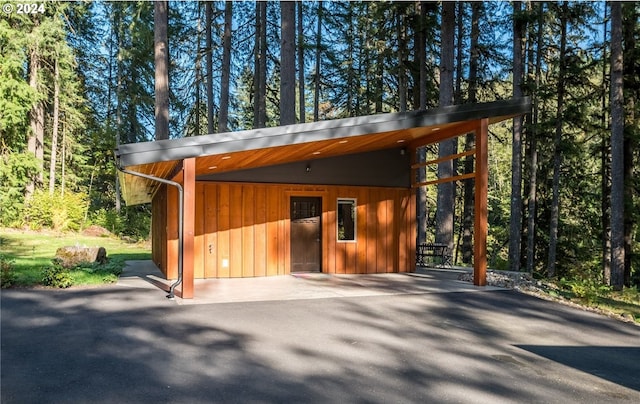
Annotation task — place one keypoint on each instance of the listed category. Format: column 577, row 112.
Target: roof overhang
column 222, row 152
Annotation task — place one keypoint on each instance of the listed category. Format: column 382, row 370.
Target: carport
column 367, row 223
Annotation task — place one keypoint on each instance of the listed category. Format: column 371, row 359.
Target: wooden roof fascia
column 447, row 133
column 198, row 146
column 161, row 158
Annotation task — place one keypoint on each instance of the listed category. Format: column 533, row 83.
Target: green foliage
column 587, row 289
column 7, row 272
column 132, row 221
column 56, row 276
column 138, row 219
column 31, row 251
column 109, row 219
column 57, row 211
column 98, row 273
column 631, row 295
column 16, row 96
column 16, row 170
column 104, row 51
column 84, row 274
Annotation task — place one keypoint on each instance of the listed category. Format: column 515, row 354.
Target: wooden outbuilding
column 334, row 196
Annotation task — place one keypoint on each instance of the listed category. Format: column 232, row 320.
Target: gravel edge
column 524, row 283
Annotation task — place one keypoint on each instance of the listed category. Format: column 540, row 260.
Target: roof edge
column 176, row 149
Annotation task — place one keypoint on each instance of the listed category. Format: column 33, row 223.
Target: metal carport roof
column 230, row 151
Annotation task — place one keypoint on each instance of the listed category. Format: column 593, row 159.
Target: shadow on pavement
column 597, row 360
column 131, row 344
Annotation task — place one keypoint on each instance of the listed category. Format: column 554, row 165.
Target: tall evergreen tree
column 260, row 66
column 318, row 63
column 35, row 143
column 223, row 116
column 161, row 53
column 301, row 66
column 288, row 63
column 532, row 199
column 617, row 149
column 515, row 227
column 557, row 140
column 477, row 9
column 446, row 191
column 631, row 84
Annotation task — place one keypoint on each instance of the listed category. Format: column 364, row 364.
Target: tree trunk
column 557, row 154
column 457, row 92
column 533, row 164
column 421, row 53
column 301, row 97
column 350, row 39
column 402, row 74
column 632, row 94
column 515, row 226
column 316, row 78
column 196, row 109
column 617, row 150
column 379, row 82
column 421, row 56
column 288, row 63
column 209, row 62
column 469, row 185
column 63, row 160
column 56, row 123
column 223, row 116
column 117, row 23
column 161, row 57
column 605, row 159
column 260, row 76
column 35, row 141
column 446, row 191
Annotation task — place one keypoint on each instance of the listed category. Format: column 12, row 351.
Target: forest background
column 79, row 78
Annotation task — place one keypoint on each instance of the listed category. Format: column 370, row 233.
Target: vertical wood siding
column 242, row 229
column 159, row 229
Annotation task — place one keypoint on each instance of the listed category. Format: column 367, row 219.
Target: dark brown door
column 306, row 234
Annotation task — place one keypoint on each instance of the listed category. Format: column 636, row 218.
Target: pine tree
column 515, row 227
column 617, row 150
column 161, row 54
column 287, row 63
column 446, row 191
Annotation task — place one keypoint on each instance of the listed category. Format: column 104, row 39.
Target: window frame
column 354, row 204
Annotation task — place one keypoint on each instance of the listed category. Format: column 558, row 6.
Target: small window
column 347, row 219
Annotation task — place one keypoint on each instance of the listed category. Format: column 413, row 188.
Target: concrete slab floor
column 145, row 274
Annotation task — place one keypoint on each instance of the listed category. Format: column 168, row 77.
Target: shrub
column 134, row 221
column 109, row 219
column 631, row 295
column 8, row 275
column 57, row 211
column 56, row 276
column 16, row 171
column 587, row 289
column 107, row 272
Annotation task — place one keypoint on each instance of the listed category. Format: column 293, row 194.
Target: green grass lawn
column 625, row 303
column 30, row 252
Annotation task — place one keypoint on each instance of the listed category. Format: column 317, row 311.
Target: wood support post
column 481, row 209
column 188, row 250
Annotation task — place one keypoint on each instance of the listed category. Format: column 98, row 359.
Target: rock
column 628, row 317
column 69, row 257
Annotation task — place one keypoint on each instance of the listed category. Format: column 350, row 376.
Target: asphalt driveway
column 129, row 344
